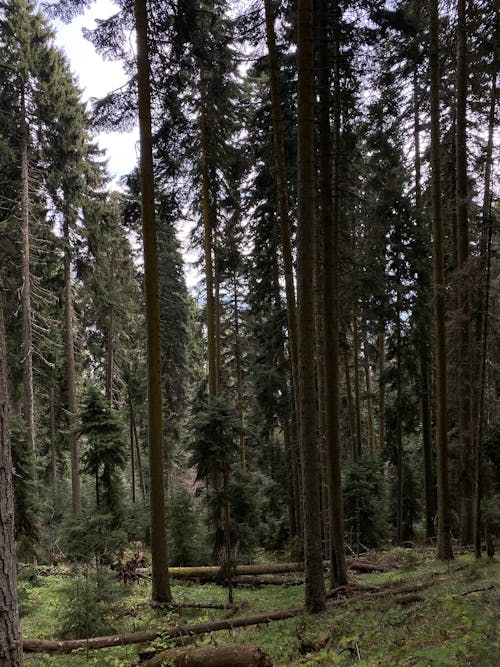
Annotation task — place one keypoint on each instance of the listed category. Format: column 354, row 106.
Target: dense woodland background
column 332, row 382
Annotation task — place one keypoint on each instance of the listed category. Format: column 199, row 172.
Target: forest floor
column 452, row 617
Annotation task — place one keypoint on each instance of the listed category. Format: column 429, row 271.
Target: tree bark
column 315, row 585
column 381, row 389
column 283, row 209
column 330, row 213
column 10, row 632
column 223, row 655
column 207, row 245
column 464, row 296
column 27, row 349
column 357, row 397
column 161, row 587
column 444, row 550
column 71, row 373
column 483, row 322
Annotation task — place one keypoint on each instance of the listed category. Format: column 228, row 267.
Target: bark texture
column 10, row 632
column 161, row 587
column 223, row 655
column 315, row 586
column 444, row 550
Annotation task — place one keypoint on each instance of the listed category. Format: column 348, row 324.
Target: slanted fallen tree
column 48, row 646
column 223, row 655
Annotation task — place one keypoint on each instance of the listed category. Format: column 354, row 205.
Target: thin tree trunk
column 464, row 296
column 281, row 180
column 71, row 374
column 207, row 244
column 444, row 550
column 111, row 340
column 239, row 375
column 423, row 345
column 27, row 349
column 159, row 560
column 399, row 433
column 381, row 389
column 330, row 213
column 52, row 438
column 11, row 652
column 132, row 451
column 314, row 586
column 369, row 401
column 357, row 397
column 350, row 405
column 483, row 320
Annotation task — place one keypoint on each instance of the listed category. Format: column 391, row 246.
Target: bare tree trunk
column 207, row 244
column 279, row 159
column 239, row 375
column 11, row 651
column 330, row 214
column 357, row 397
column 423, row 345
column 350, row 404
column 381, row 389
column 399, row 434
column 27, row 358
column 314, row 586
column 71, row 374
column 444, row 550
column 369, row 401
column 52, row 437
column 159, row 559
column 111, row 340
column 483, row 321
column 464, row 296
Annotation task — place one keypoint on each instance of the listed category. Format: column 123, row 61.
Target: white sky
column 96, row 78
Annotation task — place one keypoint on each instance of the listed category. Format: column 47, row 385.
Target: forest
column 249, row 393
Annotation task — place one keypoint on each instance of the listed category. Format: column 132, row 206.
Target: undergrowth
column 453, row 622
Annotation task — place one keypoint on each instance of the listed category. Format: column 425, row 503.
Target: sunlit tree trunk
column 314, row 583
column 159, row 560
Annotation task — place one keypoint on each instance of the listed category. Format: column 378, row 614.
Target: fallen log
column 224, row 655
column 248, row 580
column 365, row 568
column 212, row 572
column 69, row 645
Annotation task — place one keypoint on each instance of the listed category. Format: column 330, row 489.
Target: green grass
column 443, row 628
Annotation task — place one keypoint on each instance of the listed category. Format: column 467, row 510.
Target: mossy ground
column 448, row 623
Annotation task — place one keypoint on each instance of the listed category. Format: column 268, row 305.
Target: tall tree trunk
column 71, row 373
column 483, row 320
column 381, row 388
column 399, row 430
column 464, row 296
column 27, row 359
column 350, row 404
column 132, row 451
column 11, row 647
column 423, row 335
column 159, row 560
column 281, row 181
column 369, row 400
column 207, row 244
column 137, row 449
column 314, row 586
column 444, row 550
column 239, row 375
column 330, row 213
column 52, row 438
column 357, row 396
column 111, row 340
